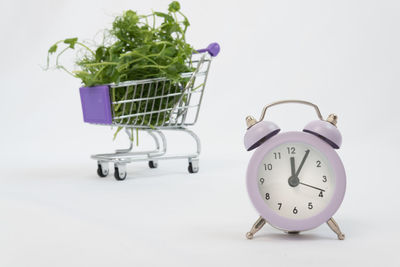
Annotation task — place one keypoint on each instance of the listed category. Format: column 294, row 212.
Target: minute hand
column 313, row 187
column 302, row 163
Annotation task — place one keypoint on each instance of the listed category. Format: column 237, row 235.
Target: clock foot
column 256, row 227
column 335, row 227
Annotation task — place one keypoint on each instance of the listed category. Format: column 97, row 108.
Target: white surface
column 298, row 197
column 54, row 211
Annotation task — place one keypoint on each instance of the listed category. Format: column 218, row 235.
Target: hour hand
column 293, row 179
column 293, row 168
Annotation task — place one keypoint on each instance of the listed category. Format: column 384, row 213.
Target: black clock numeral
column 324, row 179
column 267, row 197
column 295, row 210
column 268, row 166
column 280, row 206
column 318, row 164
column 291, row 150
column 262, row 180
column 310, row 206
column 320, row 194
column 277, row 155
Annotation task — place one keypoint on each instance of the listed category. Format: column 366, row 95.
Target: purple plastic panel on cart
column 96, row 106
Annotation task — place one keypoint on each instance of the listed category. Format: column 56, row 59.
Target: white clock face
column 296, row 180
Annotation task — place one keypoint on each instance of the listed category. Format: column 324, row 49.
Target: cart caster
column 193, row 167
column 102, row 170
column 153, row 164
column 120, row 173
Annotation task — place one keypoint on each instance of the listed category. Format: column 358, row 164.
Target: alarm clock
column 295, row 180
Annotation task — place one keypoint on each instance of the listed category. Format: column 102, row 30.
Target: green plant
column 136, row 47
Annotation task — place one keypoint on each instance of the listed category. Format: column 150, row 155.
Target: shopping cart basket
column 174, row 107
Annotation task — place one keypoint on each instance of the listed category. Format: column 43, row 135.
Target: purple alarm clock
column 295, row 180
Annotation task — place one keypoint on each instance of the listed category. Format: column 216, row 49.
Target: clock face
column 296, row 180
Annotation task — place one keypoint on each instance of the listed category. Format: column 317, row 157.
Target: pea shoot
column 136, row 47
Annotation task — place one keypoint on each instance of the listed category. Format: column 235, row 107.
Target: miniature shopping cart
column 174, row 107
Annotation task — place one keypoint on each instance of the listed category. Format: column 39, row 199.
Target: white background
column 55, row 211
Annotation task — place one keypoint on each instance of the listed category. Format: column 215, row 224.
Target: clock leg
column 256, row 227
column 335, row 227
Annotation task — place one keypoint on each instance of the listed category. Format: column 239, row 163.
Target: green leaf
column 168, row 18
column 174, row 7
column 53, row 49
column 170, row 51
column 71, row 42
column 186, row 22
column 131, row 16
column 100, row 53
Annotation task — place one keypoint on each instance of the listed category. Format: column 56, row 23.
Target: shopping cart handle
column 212, row 49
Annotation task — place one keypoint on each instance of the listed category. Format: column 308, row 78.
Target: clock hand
column 293, row 179
column 302, row 163
column 292, row 166
column 312, row 187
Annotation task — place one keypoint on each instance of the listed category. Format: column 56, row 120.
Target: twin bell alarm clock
column 295, row 180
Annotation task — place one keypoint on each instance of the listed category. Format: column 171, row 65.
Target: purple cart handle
column 212, row 49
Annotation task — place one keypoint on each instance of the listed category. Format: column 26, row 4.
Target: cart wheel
column 120, row 176
column 153, row 164
column 101, row 172
column 192, row 168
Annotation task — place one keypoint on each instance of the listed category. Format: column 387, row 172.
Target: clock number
column 295, row 210
column 280, row 206
column 318, row 163
column 267, row 197
column 262, row 180
column 277, row 155
column 320, row 194
column 291, row 150
column 268, row 166
column 310, row 206
column 324, row 179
